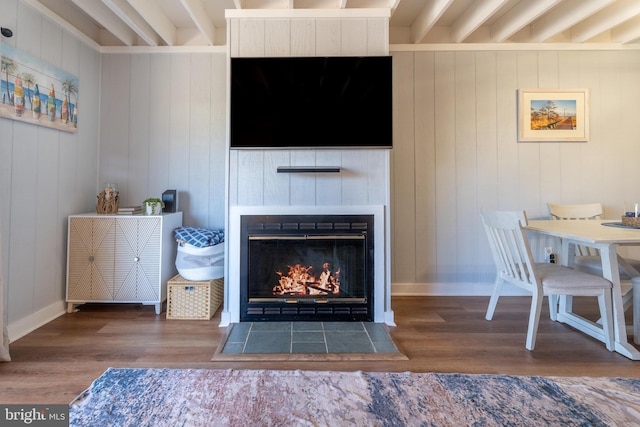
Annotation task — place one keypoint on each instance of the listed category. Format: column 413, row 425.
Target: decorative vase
column 152, row 208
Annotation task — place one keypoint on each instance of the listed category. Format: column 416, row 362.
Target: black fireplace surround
column 306, row 268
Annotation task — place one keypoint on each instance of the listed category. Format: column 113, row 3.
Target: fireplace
column 306, row 267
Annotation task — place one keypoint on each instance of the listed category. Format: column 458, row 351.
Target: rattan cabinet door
column 90, row 269
column 137, row 259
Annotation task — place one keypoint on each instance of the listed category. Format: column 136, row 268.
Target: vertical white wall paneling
column 508, row 184
column 591, row 151
column 23, row 216
column 251, row 178
column 424, row 160
column 63, row 165
column 403, row 211
column 378, row 186
column 328, row 189
column 377, row 36
column 354, row 36
column 161, row 164
column 234, row 177
column 6, row 174
column 218, row 142
column 178, row 112
column 445, row 167
column 487, row 123
column 529, row 153
column 302, row 186
column 568, row 75
column 551, row 168
column 328, row 37
column 115, row 134
column 277, row 34
column 48, row 278
column 199, row 137
column 27, row 196
column 9, row 16
column 620, row 170
column 303, row 37
column 466, row 170
column 355, row 175
column 251, row 37
column 138, row 185
column 84, row 177
column 277, row 190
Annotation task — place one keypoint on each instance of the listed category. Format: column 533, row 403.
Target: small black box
column 170, row 199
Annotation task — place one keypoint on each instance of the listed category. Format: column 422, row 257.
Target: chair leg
column 606, row 305
column 636, row 309
column 534, row 319
column 497, row 288
column 553, row 307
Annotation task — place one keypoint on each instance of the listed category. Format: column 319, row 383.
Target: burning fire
column 301, row 281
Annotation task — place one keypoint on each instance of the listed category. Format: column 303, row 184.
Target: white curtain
column 4, row 342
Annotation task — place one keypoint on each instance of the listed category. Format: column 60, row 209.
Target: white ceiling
column 202, row 22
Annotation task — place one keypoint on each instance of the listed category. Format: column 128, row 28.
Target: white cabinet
column 120, row 258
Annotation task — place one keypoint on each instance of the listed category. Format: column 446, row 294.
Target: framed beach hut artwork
column 554, row 115
column 35, row 92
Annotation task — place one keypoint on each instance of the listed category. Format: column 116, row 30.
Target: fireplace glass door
column 303, row 267
column 311, row 270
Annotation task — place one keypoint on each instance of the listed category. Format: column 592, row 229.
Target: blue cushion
column 199, row 237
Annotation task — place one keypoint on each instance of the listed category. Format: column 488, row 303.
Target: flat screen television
column 311, row 102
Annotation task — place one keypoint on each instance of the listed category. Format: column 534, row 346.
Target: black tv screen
column 311, row 102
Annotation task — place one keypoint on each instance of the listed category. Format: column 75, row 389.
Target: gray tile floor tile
column 308, row 337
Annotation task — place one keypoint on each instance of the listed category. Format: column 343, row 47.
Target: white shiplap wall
column 163, row 119
column 45, row 175
column 456, row 152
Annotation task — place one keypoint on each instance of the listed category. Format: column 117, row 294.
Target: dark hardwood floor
column 56, row 362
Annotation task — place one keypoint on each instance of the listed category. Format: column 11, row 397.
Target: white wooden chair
column 515, row 265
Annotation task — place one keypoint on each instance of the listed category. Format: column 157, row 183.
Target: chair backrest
column 510, row 247
column 583, row 211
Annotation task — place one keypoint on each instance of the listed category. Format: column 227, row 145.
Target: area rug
column 202, row 397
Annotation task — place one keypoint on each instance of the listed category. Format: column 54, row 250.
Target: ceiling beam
column 72, row 29
column 605, row 20
column 563, row 17
column 627, row 32
column 427, row 19
column 125, row 12
column 150, row 12
column 518, row 17
column 199, row 16
column 476, row 14
column 103, row 15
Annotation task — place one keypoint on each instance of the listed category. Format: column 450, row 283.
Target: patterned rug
column 202, row 397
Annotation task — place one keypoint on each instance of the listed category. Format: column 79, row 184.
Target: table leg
column 611, row 271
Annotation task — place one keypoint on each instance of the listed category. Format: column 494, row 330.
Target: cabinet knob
column 91, row 258
column 136, row 259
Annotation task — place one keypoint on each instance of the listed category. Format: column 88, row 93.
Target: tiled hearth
column 308, row 337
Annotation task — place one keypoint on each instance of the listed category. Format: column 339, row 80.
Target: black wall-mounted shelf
column 308, row 169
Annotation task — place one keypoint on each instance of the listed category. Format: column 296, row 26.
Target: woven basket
column 190, row 300
column 631, row 221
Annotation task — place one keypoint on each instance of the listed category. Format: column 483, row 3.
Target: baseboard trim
column 452, row 289
column 22, row 327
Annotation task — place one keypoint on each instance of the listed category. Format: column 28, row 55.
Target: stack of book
column 130, row 210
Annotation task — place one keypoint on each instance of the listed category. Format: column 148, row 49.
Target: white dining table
column 607, row 239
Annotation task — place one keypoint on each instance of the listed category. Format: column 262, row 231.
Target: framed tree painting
column 554, row 115
column 35, row 92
